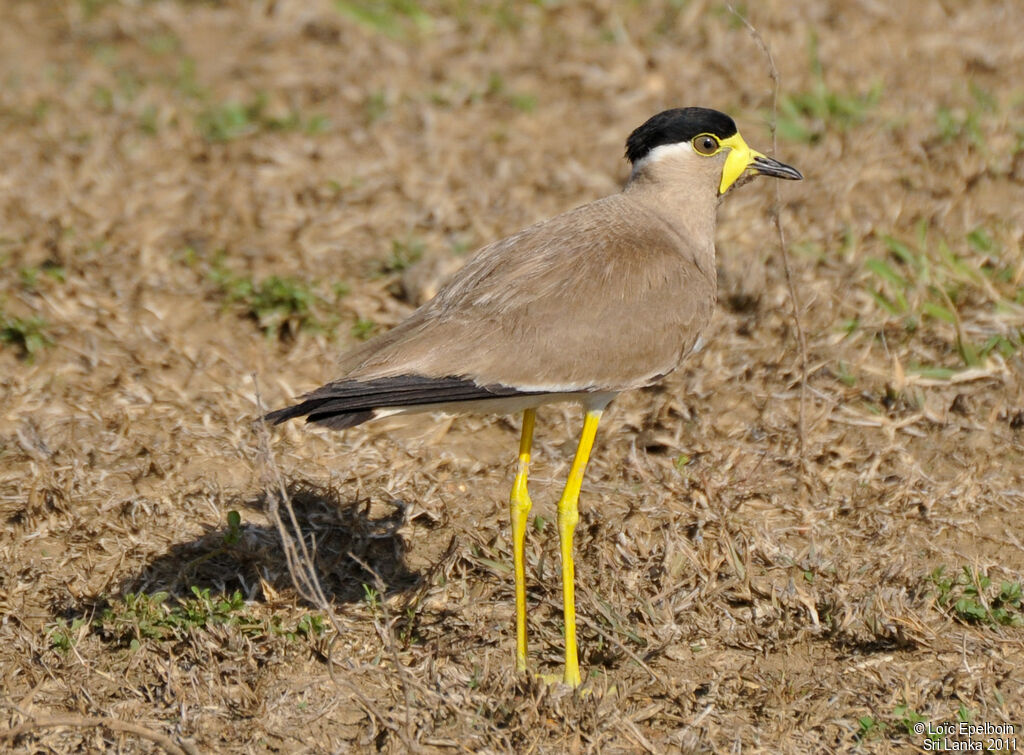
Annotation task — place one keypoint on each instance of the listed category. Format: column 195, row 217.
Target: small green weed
column 371, row 597
column 906, row 723
column 966, row 123
column 226, row 121
column 868, row 728
column 63, row 636
column 187, row 81
column 136, row 617
column 927, row 281
column 317, row 124
column 363, row 328
column 403, row 255
column 140, row 616
column 27, row 334
column 148, row 120
column 32, row 278
column 907, row 719
column 408, row 634
column 392, row 18
column 282, row 306
column 234, row 531
column 807, row 116
column 232, row 535
column 204, row 609
column 163, row 43
column 972, row 597
column 845, row 375
column 376, row 105
column 953, row 126
column 311, row 625
column 496, row 88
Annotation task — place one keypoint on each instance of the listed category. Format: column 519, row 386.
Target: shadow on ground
column 353, row 546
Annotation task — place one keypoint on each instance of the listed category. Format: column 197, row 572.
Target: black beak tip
column 767, row 166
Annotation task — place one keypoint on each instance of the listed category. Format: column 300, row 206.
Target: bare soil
column 747, row 581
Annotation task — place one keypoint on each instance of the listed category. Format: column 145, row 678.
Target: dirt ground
column 203, row 203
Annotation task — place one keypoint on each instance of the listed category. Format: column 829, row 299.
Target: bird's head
column 701, row 144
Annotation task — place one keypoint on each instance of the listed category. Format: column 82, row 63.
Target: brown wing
column 605, row 297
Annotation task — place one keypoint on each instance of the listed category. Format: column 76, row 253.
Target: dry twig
column 773, row 71
column 303, row 572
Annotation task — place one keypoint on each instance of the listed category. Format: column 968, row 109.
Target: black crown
column 677, row 125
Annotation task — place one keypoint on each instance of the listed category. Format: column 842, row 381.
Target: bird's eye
column 705, row 144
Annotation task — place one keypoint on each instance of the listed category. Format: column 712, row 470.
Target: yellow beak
column 741, row 157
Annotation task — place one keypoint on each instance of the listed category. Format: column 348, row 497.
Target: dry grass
column 192, row 193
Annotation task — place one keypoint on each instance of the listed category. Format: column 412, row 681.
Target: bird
column 608, row 297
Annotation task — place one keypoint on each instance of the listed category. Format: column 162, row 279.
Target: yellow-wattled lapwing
column 605, row 298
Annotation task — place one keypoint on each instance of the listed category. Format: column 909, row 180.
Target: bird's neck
column 685, row 204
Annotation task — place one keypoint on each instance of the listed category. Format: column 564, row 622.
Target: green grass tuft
column 137, row 617
column 227, row 121
column 807, row 116
column 393, row 18
column 403, row 255
column 956, row 287
column 972, row 598
column 29, row 335
column 281, row 305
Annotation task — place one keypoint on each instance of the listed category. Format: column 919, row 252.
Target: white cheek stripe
column 662, row 152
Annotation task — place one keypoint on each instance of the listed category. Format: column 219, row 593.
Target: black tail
column 347, row 403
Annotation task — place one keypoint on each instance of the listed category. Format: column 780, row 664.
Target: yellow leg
column 568, row 516
column 520, row 510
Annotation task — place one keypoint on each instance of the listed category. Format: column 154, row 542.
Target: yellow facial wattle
column 740, row 158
